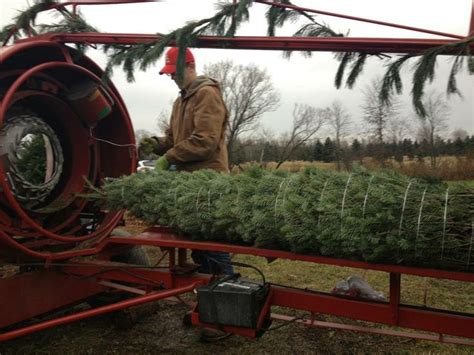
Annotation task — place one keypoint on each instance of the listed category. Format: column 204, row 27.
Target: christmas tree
column 381, row 217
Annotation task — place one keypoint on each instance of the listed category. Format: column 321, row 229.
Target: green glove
column 162, row 163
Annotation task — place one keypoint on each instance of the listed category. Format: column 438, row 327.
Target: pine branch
column 312, row 30
column 345, row 59
column 241, row 14
column 357, row 67
column 392, row 81
column 143, row 55
column 452, row 83
column 225, row 23
column 277, row 16
column 73, row 23
column 7, row 32
column 425, row 70
column 24, row 22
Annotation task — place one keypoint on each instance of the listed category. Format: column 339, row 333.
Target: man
column 196, row 137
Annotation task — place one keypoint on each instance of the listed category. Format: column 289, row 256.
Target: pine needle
column 392, row 81
column 357, row 68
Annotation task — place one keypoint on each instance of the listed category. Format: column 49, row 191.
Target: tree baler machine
column 56, row 245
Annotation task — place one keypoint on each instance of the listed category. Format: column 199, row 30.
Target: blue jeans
column 213, row 262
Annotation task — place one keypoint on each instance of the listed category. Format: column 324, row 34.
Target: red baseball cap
column 172, row 57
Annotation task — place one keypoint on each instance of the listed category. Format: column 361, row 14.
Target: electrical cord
column 239, row 264
column 109, row 142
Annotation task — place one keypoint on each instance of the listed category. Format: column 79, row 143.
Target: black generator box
column 233, row 302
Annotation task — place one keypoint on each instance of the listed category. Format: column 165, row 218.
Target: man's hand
column 162, row 163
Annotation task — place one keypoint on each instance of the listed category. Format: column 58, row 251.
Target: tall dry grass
column 448, row 168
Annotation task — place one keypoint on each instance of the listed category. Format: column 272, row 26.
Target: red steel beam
column 103, row 2
column 160, row 237
column 389, row 332
column 471, row 27
column 330, row 44
column 94, row 2
column 391, row 313
column 408, row 317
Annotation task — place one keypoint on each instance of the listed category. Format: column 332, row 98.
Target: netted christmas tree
column 381, row 217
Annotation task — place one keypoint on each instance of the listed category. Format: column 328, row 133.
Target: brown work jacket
column 196, row 136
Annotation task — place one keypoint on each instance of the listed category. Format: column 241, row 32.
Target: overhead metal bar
column 471, row 27
column 328, row 44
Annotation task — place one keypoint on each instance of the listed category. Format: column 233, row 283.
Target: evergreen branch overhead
column 425, row 70
column 73, row 23
column 452, row 83
column 313, row 29
column 345, row 58
column 226, row 21
column 7, row 32
column 356, row 69
column 141, row 56
column 392, row 82
column 24, row 23
column 278, row 16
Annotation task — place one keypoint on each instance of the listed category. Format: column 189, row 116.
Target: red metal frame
column 328, row 44
column 65, row 283
column 177, row 278
column 471, row 27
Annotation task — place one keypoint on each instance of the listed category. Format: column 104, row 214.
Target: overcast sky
column 299, row 80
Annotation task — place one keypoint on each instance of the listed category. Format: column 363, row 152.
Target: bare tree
column 339, row 121
column 248, row 93
column 265, row 137
column 163, row 121
column 339, row 124
column 434, row 125
column 398, row 128
column 377, row 113
column 307, row 120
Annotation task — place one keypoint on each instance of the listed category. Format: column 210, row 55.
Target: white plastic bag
column 356, row 286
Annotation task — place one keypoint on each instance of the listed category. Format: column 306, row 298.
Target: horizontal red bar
column 390, row 332
column 159, row 237
column 101, row 2
column 438, row 321
column 329, row 44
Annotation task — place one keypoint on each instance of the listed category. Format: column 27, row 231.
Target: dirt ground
column 160, row 327
column 163, row 332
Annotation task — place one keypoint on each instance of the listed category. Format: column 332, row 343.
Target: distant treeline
column 327, row 151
